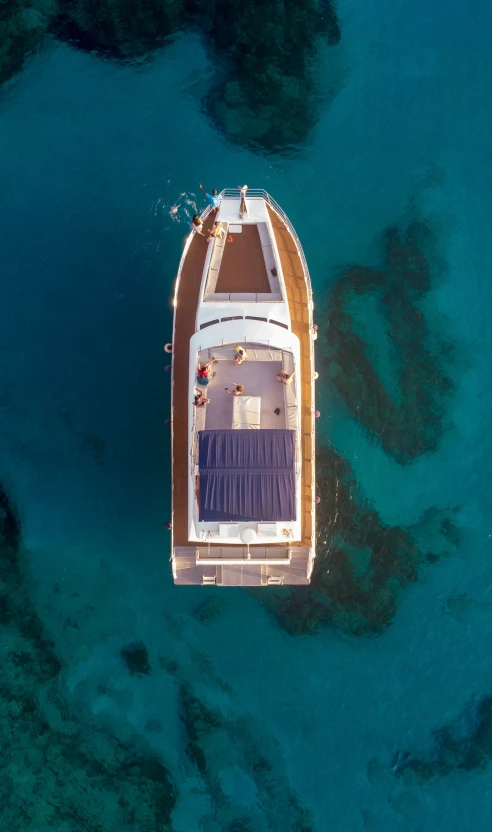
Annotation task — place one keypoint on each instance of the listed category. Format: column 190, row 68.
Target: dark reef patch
column 464, row 745
column 136, row 658
column 76, row 775
column 407, row 410
column 219, row 744
column 211, row 610
column 269, row 97
column 393, row 370
column 118, row 28
column 362, row 564
column 266, row 93
column 23, row 25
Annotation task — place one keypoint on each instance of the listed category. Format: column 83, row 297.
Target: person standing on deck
column 242, row 205
column 197, row 225
column 214, row 198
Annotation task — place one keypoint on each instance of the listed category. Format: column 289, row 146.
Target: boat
column 243, row 464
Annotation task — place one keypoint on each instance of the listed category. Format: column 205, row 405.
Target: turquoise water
column 100, row 164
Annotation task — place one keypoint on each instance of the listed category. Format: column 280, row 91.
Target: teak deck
column 185, row 317
column 243, row 265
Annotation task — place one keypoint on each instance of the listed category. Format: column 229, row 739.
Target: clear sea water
column 99, row 171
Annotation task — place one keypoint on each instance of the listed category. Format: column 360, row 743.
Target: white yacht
column 243, row 412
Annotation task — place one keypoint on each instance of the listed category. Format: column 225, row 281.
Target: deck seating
column 264, row 234
column 245, row 297
column 228, row 530
column 200, row 417
column 216, row 247
column 269, row 257
column 290, row 391
column 267, row 529
column 217, row 296
column 255, row 353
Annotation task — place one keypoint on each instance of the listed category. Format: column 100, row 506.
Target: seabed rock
column 59, row 770
column 269, row 98
column 362, row 564
column 407, row 412
column 464, row 745
column 266, row 94
column 211, row 610
column 23, row 25
column 136, row 658
column 228, row 747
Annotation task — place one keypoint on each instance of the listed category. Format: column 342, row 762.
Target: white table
column 246, row 412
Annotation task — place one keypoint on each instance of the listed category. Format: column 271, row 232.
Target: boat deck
column 243, row 266
column 256, row 377
column 185, row 317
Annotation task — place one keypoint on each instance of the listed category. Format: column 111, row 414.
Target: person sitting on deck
column 236, row 391
column 214, row 198
column 217, row 231
column 197, row 225
column 203, row 372
column 284, row 376
column 200, row 400
column 239, row 355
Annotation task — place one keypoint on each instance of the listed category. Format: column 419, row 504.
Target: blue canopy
column 247, row 475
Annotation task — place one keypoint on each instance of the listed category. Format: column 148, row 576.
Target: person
column 197, row 225
column 284, row 376
column 237, row 390
column 214, row 198
column 242, row 205
column 200, row 400
column 207, row 364
column 217, row 231
column 203, row 372
column 239, row 355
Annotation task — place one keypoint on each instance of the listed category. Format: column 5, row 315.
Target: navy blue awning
column 247, row 475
